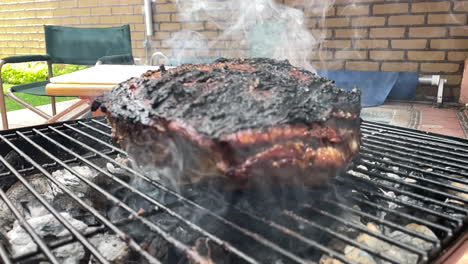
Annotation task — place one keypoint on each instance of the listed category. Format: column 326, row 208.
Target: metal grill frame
column 399, row 145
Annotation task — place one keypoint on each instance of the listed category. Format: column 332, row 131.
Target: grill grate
column 404, row 183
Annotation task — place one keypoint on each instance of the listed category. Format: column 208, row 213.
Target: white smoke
column 247, row 28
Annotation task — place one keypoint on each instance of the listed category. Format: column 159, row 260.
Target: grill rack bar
column 66, row 224
column 404, row 151
column 422, row 255
column 408, row 141
column 415, row 186
column 24, row 224
column 392, row 211
column 98, row 122
column 149, row 199
column 412, row 195
column 224, row 221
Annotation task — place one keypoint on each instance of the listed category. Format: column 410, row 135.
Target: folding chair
column 69, row 45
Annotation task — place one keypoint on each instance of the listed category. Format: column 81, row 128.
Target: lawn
column 32, row 99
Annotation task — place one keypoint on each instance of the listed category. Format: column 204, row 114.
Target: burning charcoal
column 385, row 248
column 359, row 174
column 417, row 242
column 72, row 182
column 351, row 253
column 115, row 169
column 352, row 218
column 48, row 227
column 462, row 186
column 111, row 247
column 211, row 252
column 14, row 159
column 25, row 202
column 63, row 202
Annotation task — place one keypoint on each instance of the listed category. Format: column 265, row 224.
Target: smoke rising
column 247, row 28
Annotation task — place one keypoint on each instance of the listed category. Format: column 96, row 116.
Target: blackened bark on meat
column 226, row 100
column 238, row 118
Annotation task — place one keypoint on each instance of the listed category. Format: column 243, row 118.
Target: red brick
column 447, row 19
column 391, row 8
column 371, row 44
column 367, row 21
column 351, row 33
column 461, row 6
column 351, row 54
column 334, row 22
column 321, row 55
column 387, row 32
column 352, row 10
column 427, row 7
column 386, row 55
column 319, row 12
column 406, row 20
column 330, row 65
column 400, row 66
column 439, row 67
column 336, row 44
column 169, row 26
column 362, row 66
column 459, row 31
column 409, row 44
column 458, row 55
column 427, row 32
column 450, row 44
column 426, row 55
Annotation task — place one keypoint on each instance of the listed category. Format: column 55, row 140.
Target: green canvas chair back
column 85, row 46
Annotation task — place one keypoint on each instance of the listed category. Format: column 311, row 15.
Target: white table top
column 95, row 80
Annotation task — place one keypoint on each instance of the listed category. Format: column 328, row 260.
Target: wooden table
column 91, row 82
column 95, row 80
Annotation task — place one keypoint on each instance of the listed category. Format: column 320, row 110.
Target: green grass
column 32, row 99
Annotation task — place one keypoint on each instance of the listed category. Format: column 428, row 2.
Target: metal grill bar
column 418, row 220
column 40, row 243
column 387, row 146
column 402, row 141
column 376, row 219
column 339, row 236
column 49, row 207
column 144, row 196
column 415, row 186
column 255, row 236
column 430, row 173
column 420, row 253
column 429, row 211
column 407, row 132
column 405, row 152
column 4, row 255
column 80, row 201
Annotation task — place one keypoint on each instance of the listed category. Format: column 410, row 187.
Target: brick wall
column 21, row 21
column 429, row 37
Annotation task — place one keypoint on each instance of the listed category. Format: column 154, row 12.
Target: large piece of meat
column 245, row 121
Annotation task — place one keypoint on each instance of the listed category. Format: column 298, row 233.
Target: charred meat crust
column 229, row 96
column 244, row 119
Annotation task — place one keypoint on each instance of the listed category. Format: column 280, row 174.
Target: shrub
column 34, row 71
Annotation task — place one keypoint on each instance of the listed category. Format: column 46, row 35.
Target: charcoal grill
column 405, row 183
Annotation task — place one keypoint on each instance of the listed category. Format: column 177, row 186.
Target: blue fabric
column 376, row 87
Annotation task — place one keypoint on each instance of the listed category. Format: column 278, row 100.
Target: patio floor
column 447, row 121
column 25, row 117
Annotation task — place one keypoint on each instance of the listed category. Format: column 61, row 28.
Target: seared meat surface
column 248, row 121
